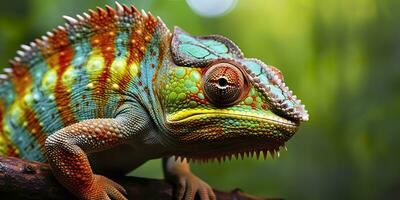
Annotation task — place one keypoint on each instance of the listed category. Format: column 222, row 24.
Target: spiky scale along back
column 74, row 30
column 77, row 71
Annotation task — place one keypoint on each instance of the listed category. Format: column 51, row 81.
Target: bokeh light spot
column 211, row 8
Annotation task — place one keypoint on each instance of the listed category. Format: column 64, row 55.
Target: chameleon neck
column 156, row 60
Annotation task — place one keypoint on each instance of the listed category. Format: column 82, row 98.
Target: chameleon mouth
column 254, row 143
column 258, row 151
column 197, row 114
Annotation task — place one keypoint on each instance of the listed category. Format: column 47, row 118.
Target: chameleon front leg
column 187, row 184
column 65, row 151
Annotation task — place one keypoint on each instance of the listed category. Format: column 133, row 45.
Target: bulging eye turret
column 224, row 84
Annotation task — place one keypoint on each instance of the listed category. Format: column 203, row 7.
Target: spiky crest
column 76, row 29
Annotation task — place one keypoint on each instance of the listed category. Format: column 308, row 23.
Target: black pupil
column 222, row 82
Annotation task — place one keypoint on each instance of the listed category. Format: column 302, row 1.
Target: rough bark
column 21, row 179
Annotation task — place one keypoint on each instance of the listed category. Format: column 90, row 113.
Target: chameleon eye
column 224, row 84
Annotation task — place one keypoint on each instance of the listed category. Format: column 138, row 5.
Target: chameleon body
column 114, row 88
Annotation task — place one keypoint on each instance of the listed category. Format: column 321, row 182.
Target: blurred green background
column 340, row 57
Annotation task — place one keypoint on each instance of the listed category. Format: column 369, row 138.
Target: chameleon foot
column 188, row 185
column 104, row 188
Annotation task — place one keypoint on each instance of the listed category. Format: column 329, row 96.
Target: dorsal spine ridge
column 80, row 27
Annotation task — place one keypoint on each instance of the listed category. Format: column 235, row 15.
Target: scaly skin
column 114, row 88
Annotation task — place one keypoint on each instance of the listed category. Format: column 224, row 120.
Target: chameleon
column 113, row 88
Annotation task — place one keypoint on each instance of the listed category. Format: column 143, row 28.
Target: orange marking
column 34, row 127
column 61, row 93
column 138, row 41
column 62, row 60
column 21, row 78
column 105, row 29
column 11, row 149
column 56, row 44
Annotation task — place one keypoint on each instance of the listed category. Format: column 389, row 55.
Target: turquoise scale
column 87, row 107
column 7, row 93
column 262, row 73
column 43, row 104
column 23, row 139
column 202, row 49
column 121, row 53
column 150, row 58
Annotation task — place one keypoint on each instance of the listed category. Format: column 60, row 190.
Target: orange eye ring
column 224, row 84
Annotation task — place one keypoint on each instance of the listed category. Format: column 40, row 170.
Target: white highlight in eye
column 211, row 8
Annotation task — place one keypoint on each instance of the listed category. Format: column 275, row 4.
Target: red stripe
column 140, row 37
column 34, row 127
column 11, row 149
column 62, row 60
column 105, row 29
column 21, row 78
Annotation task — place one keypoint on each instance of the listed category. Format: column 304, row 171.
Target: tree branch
column 21, row 179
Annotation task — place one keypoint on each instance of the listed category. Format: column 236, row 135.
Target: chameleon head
column 223, row 104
